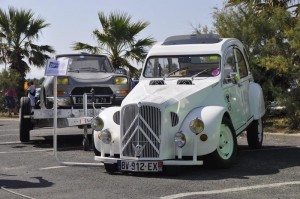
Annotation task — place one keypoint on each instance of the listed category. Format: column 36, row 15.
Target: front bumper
column 111, row 160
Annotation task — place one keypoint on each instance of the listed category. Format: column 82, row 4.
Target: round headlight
column 196, row 126
column 180, row 139
column 105, row 136
column 97, row 123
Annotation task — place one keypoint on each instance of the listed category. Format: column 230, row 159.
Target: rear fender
column 256, row 100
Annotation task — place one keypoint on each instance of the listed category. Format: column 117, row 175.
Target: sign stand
column 55, row 68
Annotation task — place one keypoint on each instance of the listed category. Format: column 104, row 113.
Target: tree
column 19, row 31
column 270, row 33
column 119, row 40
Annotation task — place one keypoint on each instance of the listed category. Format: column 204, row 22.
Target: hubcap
column 225, row 148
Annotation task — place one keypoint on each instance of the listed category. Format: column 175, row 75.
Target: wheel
column 255, row 134
column 25, row 123
column 97, row 153
column 111, row 168
column 225, row 154
column 86, row 144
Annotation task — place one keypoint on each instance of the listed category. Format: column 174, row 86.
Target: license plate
column 140, row 166
column 97, row 100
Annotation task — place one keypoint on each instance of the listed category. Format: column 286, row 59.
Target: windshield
column 183, row 66
column 83, row 63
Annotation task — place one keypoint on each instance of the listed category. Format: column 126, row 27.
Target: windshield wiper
column 71, row 70
column 177, row 70
column 88, row 68
column 199, row 73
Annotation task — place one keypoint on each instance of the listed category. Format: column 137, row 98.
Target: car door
column 244, row 81
column 233, row 95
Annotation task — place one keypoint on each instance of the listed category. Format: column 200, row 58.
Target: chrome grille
column 141, row 129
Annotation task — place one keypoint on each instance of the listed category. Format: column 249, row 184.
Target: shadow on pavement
column 267, row 161
column 20, row 184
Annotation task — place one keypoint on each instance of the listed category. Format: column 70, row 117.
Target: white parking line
column 8, row 134
column 8, row 130
column 15, row 193
column 4, row 152
column 56, row 167
column 14, row 142
column 181, row 195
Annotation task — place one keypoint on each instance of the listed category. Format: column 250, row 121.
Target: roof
column 192, row 39
column 193, row 45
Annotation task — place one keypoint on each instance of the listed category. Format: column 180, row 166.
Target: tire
column 25, row 123
column 255, row 134
column 111, row 168
column 96, row 152
column 225, row 154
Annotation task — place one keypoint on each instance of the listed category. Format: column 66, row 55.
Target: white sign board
column 56, row 68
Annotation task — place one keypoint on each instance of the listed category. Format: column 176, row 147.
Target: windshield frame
column 179, row 68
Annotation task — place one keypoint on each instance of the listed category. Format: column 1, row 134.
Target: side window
column 229, row 66
column 241, row 64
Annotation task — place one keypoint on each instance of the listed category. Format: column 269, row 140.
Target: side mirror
column 235, row 77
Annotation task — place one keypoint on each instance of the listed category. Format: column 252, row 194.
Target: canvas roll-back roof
column 192, row 45
column 192, row 39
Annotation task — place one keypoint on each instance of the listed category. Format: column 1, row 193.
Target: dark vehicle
column 90, row 74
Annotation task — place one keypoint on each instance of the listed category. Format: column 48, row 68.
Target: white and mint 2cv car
column 195, row 96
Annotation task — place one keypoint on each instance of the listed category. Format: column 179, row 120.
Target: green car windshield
column 183, row 66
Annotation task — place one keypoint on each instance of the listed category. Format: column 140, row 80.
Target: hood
column 170, row 93
column 89, row 77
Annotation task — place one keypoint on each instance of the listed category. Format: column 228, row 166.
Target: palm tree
column 119, row 40
column 19, row 31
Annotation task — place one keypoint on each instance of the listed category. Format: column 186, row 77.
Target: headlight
column 196, row 126
column 180, row 139
column 105, row 136
column 63, row 80
column 120, row 80
column 97, row 123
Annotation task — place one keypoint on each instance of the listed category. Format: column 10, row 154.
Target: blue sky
column 73, row 20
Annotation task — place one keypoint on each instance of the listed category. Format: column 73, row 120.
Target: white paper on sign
column 56, row 68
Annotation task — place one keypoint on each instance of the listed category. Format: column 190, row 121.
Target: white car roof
column 192, row 44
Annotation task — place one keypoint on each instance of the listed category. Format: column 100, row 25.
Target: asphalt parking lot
column 31, row 171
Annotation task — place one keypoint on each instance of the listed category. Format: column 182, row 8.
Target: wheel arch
column 212, row 117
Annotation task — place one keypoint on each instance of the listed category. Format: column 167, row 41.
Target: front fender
column 212, row 118
column 107, row 115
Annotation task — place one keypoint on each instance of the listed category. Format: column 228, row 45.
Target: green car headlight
column 196, row 126
column 180, row 139
column 120, row 80
column 97, row 123
column 105, row 136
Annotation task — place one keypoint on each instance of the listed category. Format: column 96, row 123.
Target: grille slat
column 149, row 119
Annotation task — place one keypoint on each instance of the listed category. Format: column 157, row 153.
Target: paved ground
column 31, row 171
